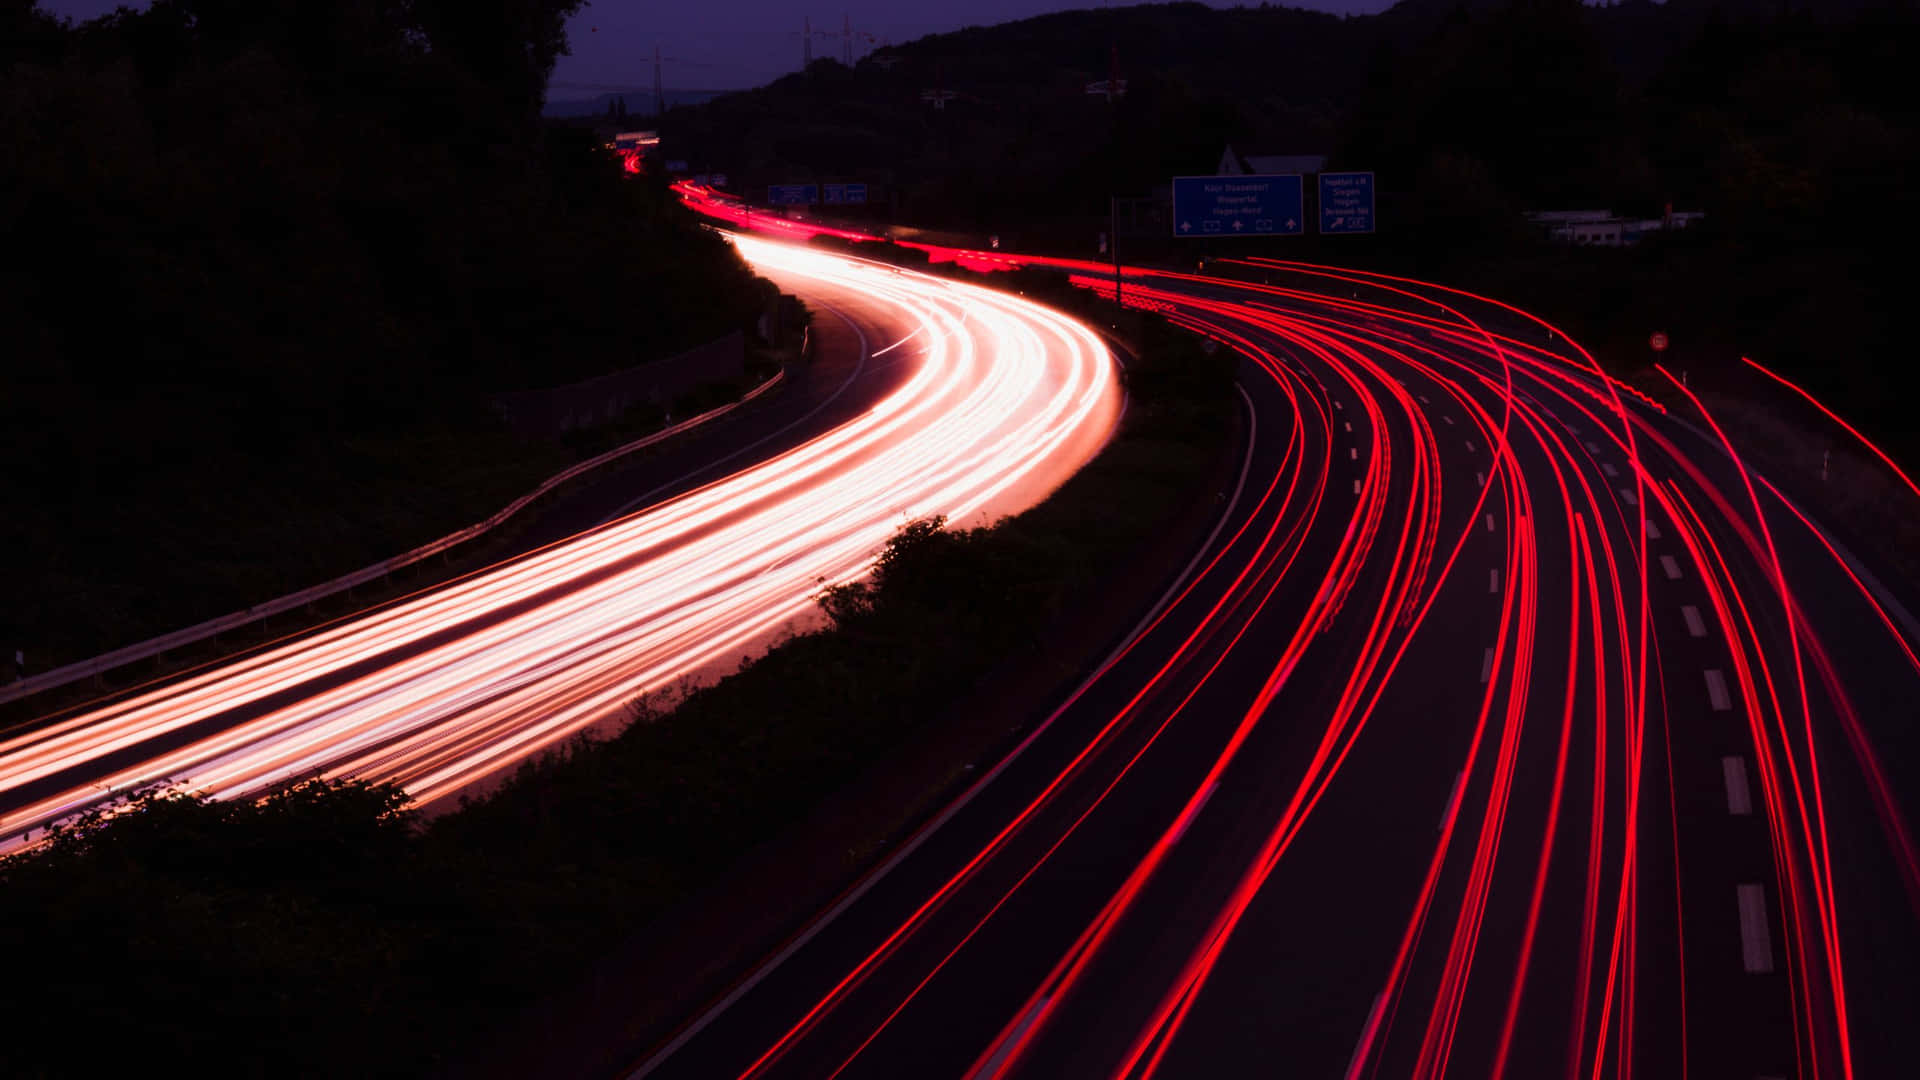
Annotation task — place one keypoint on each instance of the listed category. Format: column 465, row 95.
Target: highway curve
column 1509, row 726
column 994, row 402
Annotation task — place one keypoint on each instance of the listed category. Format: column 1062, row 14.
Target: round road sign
column 1658, row 341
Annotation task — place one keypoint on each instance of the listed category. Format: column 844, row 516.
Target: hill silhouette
column 1789, row 123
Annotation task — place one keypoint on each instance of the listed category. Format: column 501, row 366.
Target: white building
column 1603, row 228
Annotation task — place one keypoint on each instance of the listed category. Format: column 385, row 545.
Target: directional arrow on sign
column 1186, row 226
column 1238, row 225
column 1292, row 223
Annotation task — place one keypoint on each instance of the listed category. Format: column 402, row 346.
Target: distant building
column 1234, row 163
column 1604, row 228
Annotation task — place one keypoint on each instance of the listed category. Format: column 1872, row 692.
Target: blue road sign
column 793, row 194
column 1346, row 202
column 1238, row 205
column 837, row 194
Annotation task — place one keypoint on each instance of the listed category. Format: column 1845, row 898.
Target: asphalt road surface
column 1509, row 726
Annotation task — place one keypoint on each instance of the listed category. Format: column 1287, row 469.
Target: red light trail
column 1106, row 905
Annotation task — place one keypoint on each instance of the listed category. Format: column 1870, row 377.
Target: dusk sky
column 733, row 44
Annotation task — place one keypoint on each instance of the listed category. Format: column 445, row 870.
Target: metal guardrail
column 82, row 669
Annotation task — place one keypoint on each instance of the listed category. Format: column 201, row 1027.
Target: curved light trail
column 1005, row 400
column 1471, row 578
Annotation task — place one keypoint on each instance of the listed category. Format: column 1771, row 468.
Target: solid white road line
column 1717, row 691
column 1695, row 625
column 1670, row 568
column 1756, row 949
column 1486, row 664
column 1739, row 798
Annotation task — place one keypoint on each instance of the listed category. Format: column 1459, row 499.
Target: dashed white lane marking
column 1486, row 665
column 1373, row 1020
column 1627, row 496
column 1480, row 478
column 1353, row 454
column 1349, row 424
column 1424, row 401
column 1717, row 691
column 995, row 1063
column 1756, row 949
column 1469, row 447
column 1337, row 405
column 1739, row 797
column 1670, row 568
column 1186, row 820
column 1356, row 487
column 1607, row 467
column 1695, row 625
column 1593, row 448
column 1453, row 799
column 1493, row 581
column 1489, row 522
column 1653, row 530
column 1448, row 419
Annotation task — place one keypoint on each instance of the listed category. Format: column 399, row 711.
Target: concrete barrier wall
column 591, row 402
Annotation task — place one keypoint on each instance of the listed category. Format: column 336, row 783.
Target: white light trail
column 1007, row 399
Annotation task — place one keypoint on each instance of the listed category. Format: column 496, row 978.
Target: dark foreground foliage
column 318, row 933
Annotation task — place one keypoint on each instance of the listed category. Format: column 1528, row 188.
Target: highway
column 990, row 402
column 1509, row 726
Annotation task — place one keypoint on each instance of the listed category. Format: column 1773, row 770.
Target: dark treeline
column 1790, row 124
column 261, row 264
column 1547, row 102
